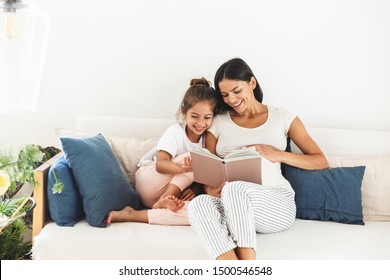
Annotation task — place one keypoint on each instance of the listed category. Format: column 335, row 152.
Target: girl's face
column 237, row 94
column 199, row 118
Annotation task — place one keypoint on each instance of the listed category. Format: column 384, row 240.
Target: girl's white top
column 173, row 141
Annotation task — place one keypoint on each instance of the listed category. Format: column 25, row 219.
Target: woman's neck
column 255, row 109
column 251, row 118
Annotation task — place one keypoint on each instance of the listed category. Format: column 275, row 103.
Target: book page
column 248, row 170
column 207, row 170
column 205, row 152
column 241, row 154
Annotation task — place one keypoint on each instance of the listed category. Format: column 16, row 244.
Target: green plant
column 12, row 244
column 21, row 169
column 14, row 173
column 58, row 185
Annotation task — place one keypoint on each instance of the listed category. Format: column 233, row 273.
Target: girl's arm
column 165, row 165
column 312, row 157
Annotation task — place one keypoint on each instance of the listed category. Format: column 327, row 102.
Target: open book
column 239, row 165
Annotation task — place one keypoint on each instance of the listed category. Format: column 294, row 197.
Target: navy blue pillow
column 102, row 183
column 65, row 208
column 332, row 194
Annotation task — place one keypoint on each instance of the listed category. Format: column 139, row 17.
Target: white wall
column 328, row 61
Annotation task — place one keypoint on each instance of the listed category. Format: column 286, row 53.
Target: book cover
column 239, row 165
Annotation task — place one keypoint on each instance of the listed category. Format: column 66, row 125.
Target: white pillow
column 375, row 185
column 128, row 151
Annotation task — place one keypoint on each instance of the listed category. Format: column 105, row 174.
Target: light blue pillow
column 332, row 194
column 65, row 208
column 102, row 183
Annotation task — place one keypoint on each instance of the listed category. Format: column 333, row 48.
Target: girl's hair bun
column 200, row 82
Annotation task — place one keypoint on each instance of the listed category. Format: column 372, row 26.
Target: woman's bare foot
column 170, row 202
column 127, row 214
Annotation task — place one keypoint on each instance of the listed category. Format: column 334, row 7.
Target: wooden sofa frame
column 40, row 212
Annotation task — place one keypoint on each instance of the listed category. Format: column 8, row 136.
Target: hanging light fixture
column 24, row 30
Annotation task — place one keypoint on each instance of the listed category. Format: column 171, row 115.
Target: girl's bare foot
column 170, row 202
column 124, row 215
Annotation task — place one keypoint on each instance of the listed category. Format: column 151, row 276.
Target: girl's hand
column 185, row 165
column 187, row 194
column 214, row 191
column 268, row 152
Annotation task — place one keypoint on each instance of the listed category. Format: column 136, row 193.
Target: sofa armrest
column 40, row 212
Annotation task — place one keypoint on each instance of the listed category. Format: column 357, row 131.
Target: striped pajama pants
column 243, row 209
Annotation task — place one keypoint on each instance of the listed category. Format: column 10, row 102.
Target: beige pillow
column 128, row 151
column 72, row 133
column 375, row 185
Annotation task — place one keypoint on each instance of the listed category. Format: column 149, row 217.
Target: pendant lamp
column 24, row 28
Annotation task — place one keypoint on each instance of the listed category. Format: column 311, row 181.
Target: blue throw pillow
column 102, row 183
column 332, row 194
column 65, row 208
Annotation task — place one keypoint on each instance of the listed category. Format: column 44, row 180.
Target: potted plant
column 15, row 211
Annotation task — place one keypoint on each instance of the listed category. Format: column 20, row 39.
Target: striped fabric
column 243, row 209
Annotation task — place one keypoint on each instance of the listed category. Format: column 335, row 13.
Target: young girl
column 164, row 178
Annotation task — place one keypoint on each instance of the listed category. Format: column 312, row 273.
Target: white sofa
column 306, row 239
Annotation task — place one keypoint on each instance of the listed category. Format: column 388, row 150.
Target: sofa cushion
column 375, row 186
column 65, row 208
column 328, row 195
column 128, row 151
column 102, row 183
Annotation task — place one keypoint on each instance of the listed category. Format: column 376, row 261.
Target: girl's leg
column 169, row 199
column 152, row 216
column 168, row 217
column 177, row 184
column 151, row 185
column 207, row 218
column 127, row 214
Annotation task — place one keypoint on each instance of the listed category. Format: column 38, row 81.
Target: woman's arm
column 312, row 157
column 165, row 165
column 211, row 142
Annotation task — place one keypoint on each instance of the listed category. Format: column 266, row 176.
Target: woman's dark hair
column 199, row 90
column 234, row 69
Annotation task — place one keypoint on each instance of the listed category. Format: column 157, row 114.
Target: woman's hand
column 269, row 152
column 214, row 191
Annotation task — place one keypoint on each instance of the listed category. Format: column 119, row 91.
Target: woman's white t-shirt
column 173, row 141
column 273, row 132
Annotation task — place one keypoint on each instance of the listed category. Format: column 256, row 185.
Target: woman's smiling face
column 237, row 94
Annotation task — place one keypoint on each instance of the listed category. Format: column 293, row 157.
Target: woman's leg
column 250, row 208
column 206, row 215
